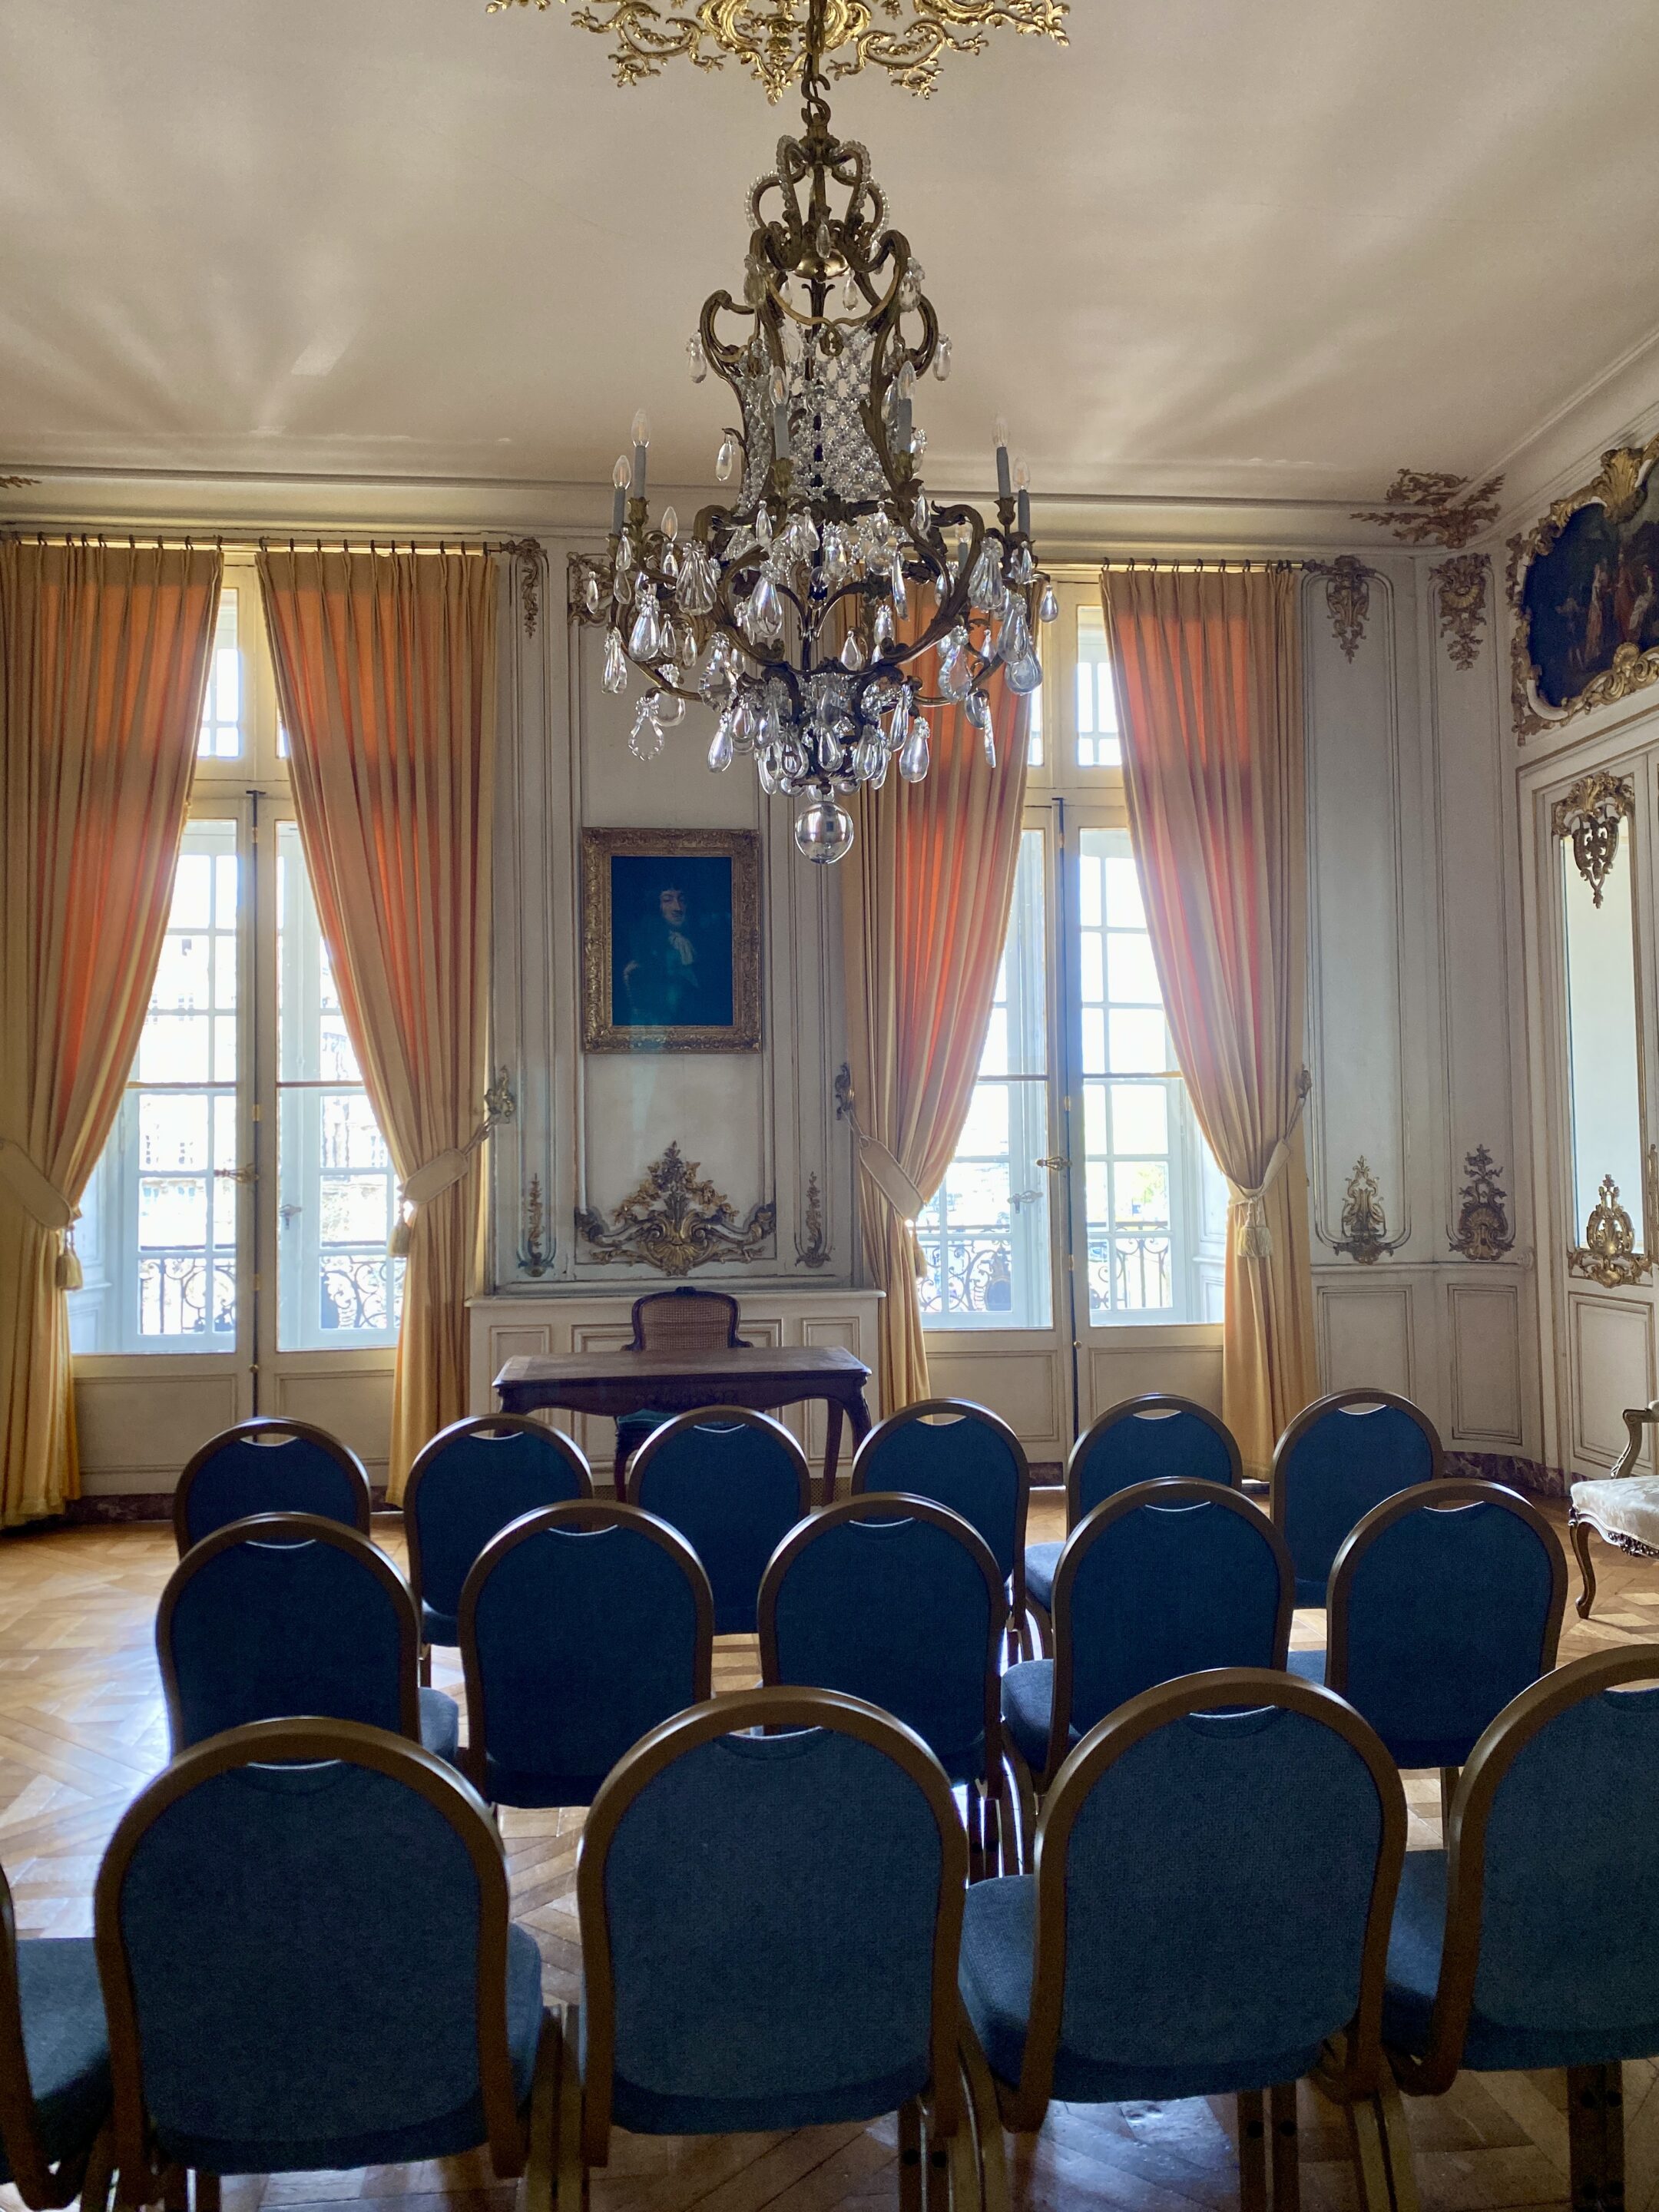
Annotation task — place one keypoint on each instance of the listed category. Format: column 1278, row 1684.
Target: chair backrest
column 311, row 1953
column 961, row 1455
column 733, row 1483
column 1553, row 1868
column 25, row 2159
column 468, row 1483
column 1339, row 1457
column 810, row 1965
column 1445, row 1603
column 269, row 1467
column 898, row 1601
column 581, row 1628
column 1165, row 1579
column 285, row 1614
column 686, row 1320
column 1144, row 1439
column 1238, row 1837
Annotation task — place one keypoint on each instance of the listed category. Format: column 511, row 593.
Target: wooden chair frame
column 958, row 1409
column 722, row 1417
column 1354, row 2073
column 586, row 2102
column 583, row 1514
column 638, row 1319
column 515, row 2147
column 897, row 1506
column 254, row 1431
column 1582, row 1524
column 284, row 1528
column 487, row 1424
column 41, row 2185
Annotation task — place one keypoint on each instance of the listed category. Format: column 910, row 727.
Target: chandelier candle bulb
column 1023, row 486
column 1004, row 479
column 641, row 443
column 619, row 478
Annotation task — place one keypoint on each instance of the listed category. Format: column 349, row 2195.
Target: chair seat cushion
column 439, row 1627
column 995, row 1976
column 441, row 1724
column 64, row 2042
column 445, row 2135
column 1309, row 1665
column 512, row 1785
column 650, row 2112
column 1491, row 2046
column 1627, row 1508
column 1041, row 1564
column 1028, row 1704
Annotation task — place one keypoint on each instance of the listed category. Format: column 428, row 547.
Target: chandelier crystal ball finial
column 824, row 602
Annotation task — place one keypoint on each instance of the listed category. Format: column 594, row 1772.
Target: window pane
column 338, row 1191
column 1097, row 745
column 1603, row 1047
column 222, row 711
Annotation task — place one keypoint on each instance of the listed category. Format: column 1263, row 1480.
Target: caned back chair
column 1147, row 1439
column 806, row 1976
column 1533, row 1940
column 55, row 2135
column 1165, row 1579
column 962, row 1456
column 582, row 1627
column 733, row 1483
column 464, row 1486
column 1216, row 1865
column 897, row 1601
column 307, row 1956
column 683, row 1320
column 1340, row 1456
column 285, row 1614
column 269, row 1467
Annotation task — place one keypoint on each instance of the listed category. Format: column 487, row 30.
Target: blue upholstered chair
column 798, row 1969
column 465, row 1485
column 308, row 1964
column 1211, row 1904
column 287, row 1614
column 962, row 1456
column 1533, row 1940
column 734, row 1483
column 1144, row 1439
column 1339, row 1457
column 581, row 1628
column 269, row 1467
column 1165, row 1579
column 55, row 2140
column 896, row 1601
column 1445, row 1603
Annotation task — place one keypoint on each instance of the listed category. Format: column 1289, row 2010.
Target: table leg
column 831, row 1446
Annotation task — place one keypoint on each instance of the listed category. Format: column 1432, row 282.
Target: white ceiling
column 1263, row 248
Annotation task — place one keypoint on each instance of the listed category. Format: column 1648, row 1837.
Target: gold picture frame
column 671, row 941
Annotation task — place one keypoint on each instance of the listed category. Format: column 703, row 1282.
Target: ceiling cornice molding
column 1619, row 406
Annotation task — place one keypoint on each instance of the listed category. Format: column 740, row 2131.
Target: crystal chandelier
column 826, row 610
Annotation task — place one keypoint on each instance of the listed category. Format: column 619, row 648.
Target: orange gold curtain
column 925, row 899
column 104, row 660
column 1208, row 670
column 385, row 675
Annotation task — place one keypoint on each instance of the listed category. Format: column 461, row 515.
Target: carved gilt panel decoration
column 813, row 1251
column 676, row 1221
column 1590, row 814
column 1483, row 1230
column 1460, row 586
column 1364, row 1235
column 1609, row 1253
column 1428, row 506
column 1347, row 598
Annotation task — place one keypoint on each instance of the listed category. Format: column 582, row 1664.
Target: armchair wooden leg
column 909, row 2156
column 1286, row 2148
column 1580, row 1533
column 1595, row 2137
column 1252, row 2153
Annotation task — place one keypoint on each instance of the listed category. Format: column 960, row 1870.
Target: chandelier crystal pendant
column 832, row 605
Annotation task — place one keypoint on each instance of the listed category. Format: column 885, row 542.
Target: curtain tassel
column 397, row 1244
column 66, row 1272
column 1253, row 1239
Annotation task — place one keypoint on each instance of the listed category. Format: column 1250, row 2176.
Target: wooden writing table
column 754, row 1375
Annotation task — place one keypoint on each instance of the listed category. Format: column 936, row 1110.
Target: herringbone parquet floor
column 81, row 1730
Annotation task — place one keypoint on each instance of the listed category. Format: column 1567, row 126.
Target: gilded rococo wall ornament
column 535, row 1256
column 1609, row 1253
column 768, row 37
column 813, row 1251
column 676, row 1221
column 1483, row 1230
column 1584, row 585
column 529, row 557
column 1590, row 814
column 1364, row 1235
column 1459, row 588
column 1427, row 506
column 1347, row 598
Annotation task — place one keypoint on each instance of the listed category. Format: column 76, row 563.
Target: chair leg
column 571, row 2168
column 1042, row 1629
column 206, row 2191
column 1595, row 2137
column 100, row 2167
column 936, row 2167
column 1371, row 2163
column 909, row 2156
column 536, row 2186
column 426, row 1666
column 1580, row 1533
column 974, row 1809
column 175, row 2190
column 987, row 2122
column 1252, row 2153
column 1025, row 1791
column 1286, row 2159
column 1396, row 2142
column 1448, row 1787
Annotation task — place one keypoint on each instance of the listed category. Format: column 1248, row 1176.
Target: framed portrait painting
column 671, row 941
column 1585, row 587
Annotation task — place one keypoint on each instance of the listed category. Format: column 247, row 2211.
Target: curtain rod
column 272, row 542
column 1130, row 565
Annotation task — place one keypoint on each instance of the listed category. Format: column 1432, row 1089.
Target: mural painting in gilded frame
column 671, row 941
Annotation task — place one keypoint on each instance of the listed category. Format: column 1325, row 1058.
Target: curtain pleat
column 1207, row 666
column 385, row 677
column 105, row 653
column 925, row 897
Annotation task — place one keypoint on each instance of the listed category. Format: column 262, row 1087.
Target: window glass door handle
column 1056, row 1162
column 249, row 1174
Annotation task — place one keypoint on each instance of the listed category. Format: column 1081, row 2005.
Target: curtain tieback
column 37, row 1196
column 881, row 1164
column 445, row 1169
column 1254, row 1239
